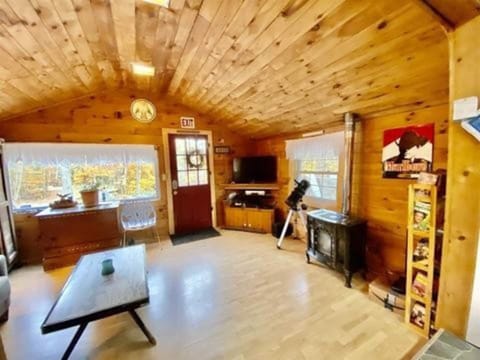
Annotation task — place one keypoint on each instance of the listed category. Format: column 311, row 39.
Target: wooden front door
column 190, row 182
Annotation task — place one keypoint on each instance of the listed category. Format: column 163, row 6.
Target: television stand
column 250, row 217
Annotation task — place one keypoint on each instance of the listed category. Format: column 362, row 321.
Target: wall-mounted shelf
column 273, row 186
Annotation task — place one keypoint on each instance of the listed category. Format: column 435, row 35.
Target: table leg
column 74, row 341
column 142, row 326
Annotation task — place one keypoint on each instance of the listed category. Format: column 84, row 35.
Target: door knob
column 174, row 184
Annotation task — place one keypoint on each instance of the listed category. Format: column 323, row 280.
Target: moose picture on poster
column 407, row 151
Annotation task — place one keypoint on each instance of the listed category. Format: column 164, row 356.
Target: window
column 191, row 160
column 322, row 174
column 316, row 160
column 38, row 172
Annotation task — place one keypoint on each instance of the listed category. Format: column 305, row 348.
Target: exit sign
column 187, row 122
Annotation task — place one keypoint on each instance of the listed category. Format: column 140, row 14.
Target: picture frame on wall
column 407, row 151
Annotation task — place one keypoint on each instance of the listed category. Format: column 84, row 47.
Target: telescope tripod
column 296, row 213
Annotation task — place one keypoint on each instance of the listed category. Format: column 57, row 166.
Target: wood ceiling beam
column 433, row 14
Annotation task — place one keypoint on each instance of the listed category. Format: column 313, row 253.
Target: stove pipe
column 349, row 119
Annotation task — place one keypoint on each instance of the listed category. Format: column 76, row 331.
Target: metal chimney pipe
column 349, row 119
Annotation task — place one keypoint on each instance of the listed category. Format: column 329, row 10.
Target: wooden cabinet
column 249, row 219
column 67, row 234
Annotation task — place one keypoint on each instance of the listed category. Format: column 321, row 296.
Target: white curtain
column 52, row 154
column 318, row 147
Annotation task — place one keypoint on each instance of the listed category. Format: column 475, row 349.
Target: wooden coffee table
column 88, row 296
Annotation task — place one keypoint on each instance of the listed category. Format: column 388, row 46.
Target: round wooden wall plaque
column 143, row 110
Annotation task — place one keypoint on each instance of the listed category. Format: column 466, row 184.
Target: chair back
column 136, row 214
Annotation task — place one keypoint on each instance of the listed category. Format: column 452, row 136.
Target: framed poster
column 407, row 151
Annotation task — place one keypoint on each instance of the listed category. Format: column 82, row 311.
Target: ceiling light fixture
column 142, row 69
column 164, row 3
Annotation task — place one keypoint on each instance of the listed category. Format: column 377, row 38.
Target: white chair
column 136, row 215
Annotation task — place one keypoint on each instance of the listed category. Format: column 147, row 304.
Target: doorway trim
column 166, row 156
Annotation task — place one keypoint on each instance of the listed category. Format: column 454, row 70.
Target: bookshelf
column 421, row 249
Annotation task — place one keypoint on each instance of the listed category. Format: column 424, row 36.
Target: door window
column 191, row 161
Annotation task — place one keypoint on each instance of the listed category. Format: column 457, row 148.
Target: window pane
column 318, row 172
column 314, row 191
column 34, row 186
column 330, row 180
column 202, row 177
column 182, row 178
column 195, row 161
column 191, row 145
column 202, row 146
column 180, row 146
column 331, row 165
column 192, row 178
column 37, row 185
column 181, row 162
column 204, row 164
column 329, row 193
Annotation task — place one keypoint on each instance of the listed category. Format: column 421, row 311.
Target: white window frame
column 307, row 149
column 315, row 201
column 60, row 154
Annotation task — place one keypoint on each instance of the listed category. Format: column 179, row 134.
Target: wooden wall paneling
column 95, row 119
column 462, row 222
column 383, row 202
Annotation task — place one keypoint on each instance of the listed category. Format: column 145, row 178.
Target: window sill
column 37, row 209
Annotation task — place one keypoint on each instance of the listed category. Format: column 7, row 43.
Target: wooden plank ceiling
column 456, row 12
column 261, row 67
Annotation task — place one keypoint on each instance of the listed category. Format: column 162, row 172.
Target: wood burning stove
column 337, row 241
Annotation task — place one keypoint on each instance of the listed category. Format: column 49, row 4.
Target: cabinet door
column 235, row 217
column 260, row 220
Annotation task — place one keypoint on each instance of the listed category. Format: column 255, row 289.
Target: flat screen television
column 255, row 169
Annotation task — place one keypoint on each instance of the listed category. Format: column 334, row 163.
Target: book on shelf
column 419, row 285
column 421, row 251
column 422, row 193
column 421, row 216
column 417, row 315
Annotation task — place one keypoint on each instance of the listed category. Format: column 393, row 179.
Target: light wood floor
column 230, row 297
